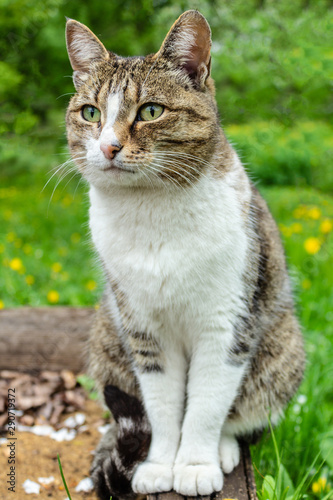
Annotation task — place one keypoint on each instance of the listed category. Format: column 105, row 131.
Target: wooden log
column 44, row 338
column 239, row 485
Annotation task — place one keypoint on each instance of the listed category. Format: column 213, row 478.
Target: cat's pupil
column 152, row 111
column 92, row 112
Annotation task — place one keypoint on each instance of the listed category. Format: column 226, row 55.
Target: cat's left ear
column 83, row 49
column 188, row 44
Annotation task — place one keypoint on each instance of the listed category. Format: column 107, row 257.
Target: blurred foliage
column 270, row 59
column 271, row 63
column 300, row 154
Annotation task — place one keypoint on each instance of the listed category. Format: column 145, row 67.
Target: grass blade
column 63, row 478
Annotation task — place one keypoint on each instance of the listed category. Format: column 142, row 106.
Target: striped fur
column 196, row 340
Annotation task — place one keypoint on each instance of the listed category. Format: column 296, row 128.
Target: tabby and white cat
column 195, row 342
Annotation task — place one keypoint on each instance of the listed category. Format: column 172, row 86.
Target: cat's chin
column 118, row 170
column 115, row 177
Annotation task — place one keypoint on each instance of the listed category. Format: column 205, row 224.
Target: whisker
column 62, row 167
column 162, row 154
column 145, row 175
column 68, row 93
column 184, row 167
column 165, row 174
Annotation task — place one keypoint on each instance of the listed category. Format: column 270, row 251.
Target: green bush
column 276, row 154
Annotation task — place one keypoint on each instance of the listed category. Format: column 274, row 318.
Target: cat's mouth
column 113, row 168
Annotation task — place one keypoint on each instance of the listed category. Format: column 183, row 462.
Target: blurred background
column 272, row 62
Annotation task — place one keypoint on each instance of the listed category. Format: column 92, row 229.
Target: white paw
column 152, row 478
column 229, row 453
column 193, row 480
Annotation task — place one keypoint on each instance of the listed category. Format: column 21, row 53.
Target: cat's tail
column 123, row 449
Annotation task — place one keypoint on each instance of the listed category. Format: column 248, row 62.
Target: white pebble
column 46, row 480
column 39, row 430
column 42, row 430
column 80, row 418
column 76, row 420
column 83, row 428
column 63, row 435
column 69, row 422
column 31, row 487
column 85, row 485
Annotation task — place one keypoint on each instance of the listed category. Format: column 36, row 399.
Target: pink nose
column 110, row 150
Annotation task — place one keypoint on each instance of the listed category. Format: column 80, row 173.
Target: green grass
column 45, row 247
column 307, row 430
column 63, row 478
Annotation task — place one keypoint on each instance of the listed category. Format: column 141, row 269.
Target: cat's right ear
column 188, row 45
column 83, row 48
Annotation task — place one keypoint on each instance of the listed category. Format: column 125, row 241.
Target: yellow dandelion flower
column 322, row 482
column 97, row 306
column 56, row 267
column 320, row 485
column 300, row 212
column 306, row 284
column 62, row 251
column 10, row 237
column 91, row 285
column 67, row 201
column 27, row 249
column 53, row 296
column 312, row 245
column 326, row 226
column 297, row 227
column 315, row 487
column 314, row 213
column 2, row 304
column 75, row 238
column 286, row 231
column 16, row 264
column 30, row 280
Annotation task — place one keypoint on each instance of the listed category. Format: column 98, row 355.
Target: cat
column 195, row 343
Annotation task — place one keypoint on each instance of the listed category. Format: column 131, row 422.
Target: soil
column 36, row 456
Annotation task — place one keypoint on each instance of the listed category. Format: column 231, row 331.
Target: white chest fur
column 180, row 251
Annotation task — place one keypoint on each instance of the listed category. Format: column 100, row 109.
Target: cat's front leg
column 163, row 390
column 212, row 387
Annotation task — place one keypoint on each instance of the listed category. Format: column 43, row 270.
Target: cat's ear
column 188, row 44
column 83, row 48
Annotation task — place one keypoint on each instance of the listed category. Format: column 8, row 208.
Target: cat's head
column 143, row 121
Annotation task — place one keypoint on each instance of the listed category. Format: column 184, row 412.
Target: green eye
column 150, row 112
column 91, row 114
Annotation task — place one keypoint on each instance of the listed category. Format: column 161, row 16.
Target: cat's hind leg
column 126, row 443
column 229, row 453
